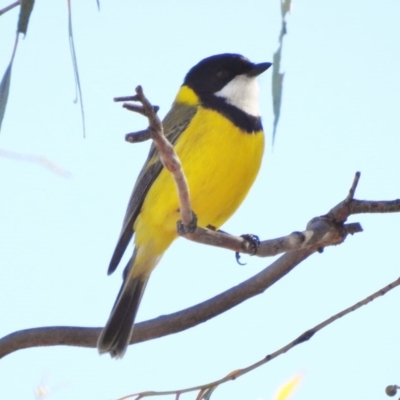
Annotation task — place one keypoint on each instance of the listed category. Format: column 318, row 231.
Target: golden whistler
column 215, row 127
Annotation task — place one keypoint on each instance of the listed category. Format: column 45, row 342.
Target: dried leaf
column 24, row 14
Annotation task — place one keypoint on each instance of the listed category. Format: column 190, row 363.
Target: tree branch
column 164, row 325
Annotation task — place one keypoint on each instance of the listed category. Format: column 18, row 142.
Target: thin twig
column 10, row 7
column 135, row 108
column 307, row 335
column 353, row 188
column 166, row 151
column 137, row 137
column 126, row 98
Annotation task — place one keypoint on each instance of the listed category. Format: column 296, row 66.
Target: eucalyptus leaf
column 4, row 91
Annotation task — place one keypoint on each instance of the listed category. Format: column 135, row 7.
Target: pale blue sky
column 340, row 114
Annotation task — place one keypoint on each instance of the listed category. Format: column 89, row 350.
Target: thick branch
column 164, row 325
column 364, row 206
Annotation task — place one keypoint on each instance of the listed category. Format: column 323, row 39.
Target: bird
column 215, row 127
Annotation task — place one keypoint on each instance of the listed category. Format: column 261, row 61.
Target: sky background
column 58, row 227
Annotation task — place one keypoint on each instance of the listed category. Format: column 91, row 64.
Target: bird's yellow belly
column 220, row 163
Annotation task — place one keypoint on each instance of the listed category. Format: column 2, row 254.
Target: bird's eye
column 222, row 74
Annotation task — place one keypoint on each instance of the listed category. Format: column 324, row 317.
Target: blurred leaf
column 277, row 76
column 285, row 7
column 277, row 89
column 5, row 83
column 287, row 389
column 4, row 91
column 24, row 14
column 36, row 159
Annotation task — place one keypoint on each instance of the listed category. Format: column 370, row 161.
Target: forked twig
column 166, row 151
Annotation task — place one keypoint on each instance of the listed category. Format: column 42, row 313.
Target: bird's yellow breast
column 220, row 163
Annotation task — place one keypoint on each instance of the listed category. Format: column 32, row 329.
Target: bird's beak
column 258, row 69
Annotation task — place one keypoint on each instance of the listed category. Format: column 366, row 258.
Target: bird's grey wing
column 174, row 123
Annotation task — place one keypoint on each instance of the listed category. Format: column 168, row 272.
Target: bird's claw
column 253, row 243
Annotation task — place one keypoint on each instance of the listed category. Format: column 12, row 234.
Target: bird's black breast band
column 247, row 123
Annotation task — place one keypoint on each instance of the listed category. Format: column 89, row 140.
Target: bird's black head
column 213, row 73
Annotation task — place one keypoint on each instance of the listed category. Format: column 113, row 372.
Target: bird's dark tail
column 115, row 336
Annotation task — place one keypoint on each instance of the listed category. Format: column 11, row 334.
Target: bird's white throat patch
column 242, row 92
